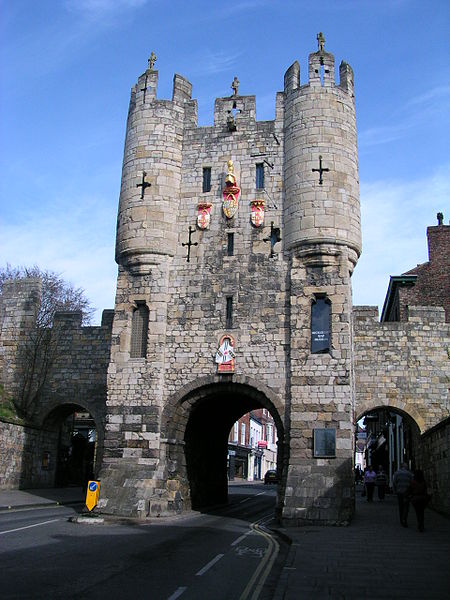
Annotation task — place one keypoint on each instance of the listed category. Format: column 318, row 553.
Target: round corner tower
column 146, row 230
column 321, row 160
column 323, row 238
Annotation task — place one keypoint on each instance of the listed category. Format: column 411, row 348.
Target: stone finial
column 151, row 61
column 440, row 218
column 320, row 42
column 235, row 86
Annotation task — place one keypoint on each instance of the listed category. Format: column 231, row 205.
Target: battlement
column 320, row 73
column 422, row 315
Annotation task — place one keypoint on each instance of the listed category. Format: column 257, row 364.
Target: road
column 223, row 554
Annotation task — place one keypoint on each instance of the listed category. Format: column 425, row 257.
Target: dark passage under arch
column 206, row 439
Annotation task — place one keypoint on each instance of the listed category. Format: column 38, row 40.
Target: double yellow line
column 256, row 583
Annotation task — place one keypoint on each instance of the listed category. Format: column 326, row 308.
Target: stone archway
column 196, row 425
column 73, row 436
column 393, row 437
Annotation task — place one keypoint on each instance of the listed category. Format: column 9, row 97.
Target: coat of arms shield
column 204, row 215
column 230, row 192
column 257, row 212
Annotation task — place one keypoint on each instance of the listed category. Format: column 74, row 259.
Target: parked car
column 270, row 477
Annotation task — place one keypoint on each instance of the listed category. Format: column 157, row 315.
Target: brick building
column 252, row 445
column 428, row 284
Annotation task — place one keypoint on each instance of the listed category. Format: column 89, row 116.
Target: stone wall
column 18, row 308
column 404, row 365
column 23, row 464
column 435, row 462
column 78, row 374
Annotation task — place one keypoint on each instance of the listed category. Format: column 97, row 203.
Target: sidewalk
column 10, row 499
column 372, row 558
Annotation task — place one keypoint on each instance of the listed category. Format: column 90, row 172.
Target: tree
column 39, row 346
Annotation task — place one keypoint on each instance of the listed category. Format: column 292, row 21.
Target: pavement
column 374, row 557
column 17, row 499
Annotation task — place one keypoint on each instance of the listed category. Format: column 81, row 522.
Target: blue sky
column 66, row 71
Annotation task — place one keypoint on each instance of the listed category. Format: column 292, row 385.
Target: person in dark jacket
column 418, row 494
column 401, row 480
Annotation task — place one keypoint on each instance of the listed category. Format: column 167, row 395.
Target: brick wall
column 432, row 287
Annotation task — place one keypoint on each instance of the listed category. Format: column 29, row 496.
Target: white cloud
column 376, row 136
column 102, row 7
column 78, row 243
column 418, row 110
column 441, row 92
column 210, row 63
column 395, row 216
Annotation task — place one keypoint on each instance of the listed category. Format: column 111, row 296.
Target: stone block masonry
column 403, row 364
column 267, row 285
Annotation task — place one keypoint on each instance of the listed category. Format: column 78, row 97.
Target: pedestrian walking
column 419, row 496
column 401, row 481
column 380, row 482
column 369, row 481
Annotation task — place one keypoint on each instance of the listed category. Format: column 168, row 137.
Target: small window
column 320, row 326
column 260, row 176
column 230, row 244
column 206, row 179
column 242, row 434
column 139, row 331
column 229, row 314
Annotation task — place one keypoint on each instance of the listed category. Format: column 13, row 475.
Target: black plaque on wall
column 320, row 326
column 324, row 443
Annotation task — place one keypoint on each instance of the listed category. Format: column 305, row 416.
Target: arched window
column 320, row 325
column 139, row 331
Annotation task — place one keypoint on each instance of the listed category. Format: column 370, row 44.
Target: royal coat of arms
column 230, row 192
column 225, row 356
column 203, row 215
column 257, row 214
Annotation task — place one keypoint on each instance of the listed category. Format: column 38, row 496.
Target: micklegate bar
column 236, row 244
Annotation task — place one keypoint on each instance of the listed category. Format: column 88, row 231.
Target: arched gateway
column 235, row 245
column 197, row 423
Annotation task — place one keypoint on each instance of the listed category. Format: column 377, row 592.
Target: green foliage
column 7, row 409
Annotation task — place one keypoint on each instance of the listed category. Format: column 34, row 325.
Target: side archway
column 386, row 436
column 72, row 435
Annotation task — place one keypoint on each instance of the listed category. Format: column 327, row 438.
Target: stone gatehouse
column 236, row 244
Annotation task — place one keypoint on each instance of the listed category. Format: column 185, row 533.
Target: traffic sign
column 93, row 489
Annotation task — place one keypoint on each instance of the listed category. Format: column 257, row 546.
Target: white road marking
column 29, row 526
column 210, row 564
column 239, row 539
column 177, row 593
column 245, row 500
